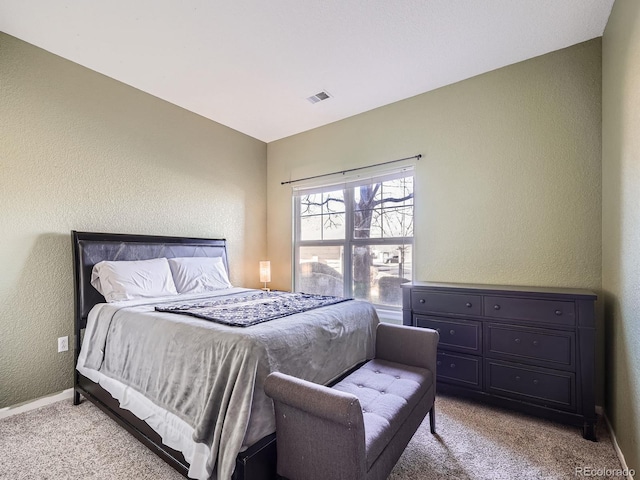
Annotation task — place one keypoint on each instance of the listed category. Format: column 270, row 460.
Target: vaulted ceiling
column 251, row 64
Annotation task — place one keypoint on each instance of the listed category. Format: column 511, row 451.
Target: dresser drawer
column 549, row 311
column 531, row 384
column 459, row 370
column 551, row 348
column 459, row 335
column 454, row 303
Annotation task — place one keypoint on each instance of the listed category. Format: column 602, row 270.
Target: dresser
column 526, row 348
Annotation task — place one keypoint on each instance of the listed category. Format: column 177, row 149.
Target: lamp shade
column 265, row 271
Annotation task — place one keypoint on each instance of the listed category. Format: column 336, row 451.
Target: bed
column 189, row 389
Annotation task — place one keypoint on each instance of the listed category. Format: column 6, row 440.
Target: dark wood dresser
column 526, row 348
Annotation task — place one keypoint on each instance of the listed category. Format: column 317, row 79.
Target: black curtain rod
column 417, row 157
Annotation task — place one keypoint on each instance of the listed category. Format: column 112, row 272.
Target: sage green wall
column 79, row 150
column 508, row 190
column 621, row 222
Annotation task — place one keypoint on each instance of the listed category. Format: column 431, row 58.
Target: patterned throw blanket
column 254, row 308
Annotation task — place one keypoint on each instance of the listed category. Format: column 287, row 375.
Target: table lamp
column 265, row 274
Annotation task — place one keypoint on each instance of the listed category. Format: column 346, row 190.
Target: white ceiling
column 250, row 64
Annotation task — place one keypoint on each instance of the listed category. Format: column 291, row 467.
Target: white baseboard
column 614, row 440
column 37, row 403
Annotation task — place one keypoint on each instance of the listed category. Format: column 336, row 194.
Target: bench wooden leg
column 432, row 419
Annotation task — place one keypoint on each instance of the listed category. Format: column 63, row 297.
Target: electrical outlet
column 63, row 344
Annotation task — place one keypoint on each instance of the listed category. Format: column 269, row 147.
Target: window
column 355, row 239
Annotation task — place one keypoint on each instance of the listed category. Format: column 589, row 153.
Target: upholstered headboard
column 90, row 248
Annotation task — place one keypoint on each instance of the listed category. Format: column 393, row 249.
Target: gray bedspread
column 212, row 375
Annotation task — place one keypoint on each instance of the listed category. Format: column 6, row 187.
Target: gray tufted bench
column 358, row 428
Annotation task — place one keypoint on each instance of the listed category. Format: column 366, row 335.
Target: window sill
column 388, row 315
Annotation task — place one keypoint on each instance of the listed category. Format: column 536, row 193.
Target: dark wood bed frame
column 258, row 462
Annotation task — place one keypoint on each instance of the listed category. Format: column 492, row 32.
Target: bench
column 358, row 428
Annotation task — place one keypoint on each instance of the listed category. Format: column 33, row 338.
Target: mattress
column 199, row 384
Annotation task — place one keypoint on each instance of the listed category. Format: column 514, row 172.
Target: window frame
column 350, row 241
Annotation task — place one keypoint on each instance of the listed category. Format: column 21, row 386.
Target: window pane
column 396, row 222
column 384, row 210
column 322, row 216
column 311, row 204
column 320, row 270
column 311, row 227
column 333, row 226
column 333, row 202
column 378, row 272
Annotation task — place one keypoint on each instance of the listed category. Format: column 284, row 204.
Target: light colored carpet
column 61, row 441
column 476, row 441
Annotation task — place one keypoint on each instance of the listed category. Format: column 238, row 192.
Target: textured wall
column 508, row 190
column 81, row 151
column 621, row 222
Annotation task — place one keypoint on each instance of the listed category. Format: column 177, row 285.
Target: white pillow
column 199, row 274
column 127, row 280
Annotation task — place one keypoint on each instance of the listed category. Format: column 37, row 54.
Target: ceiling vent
column 318, row 97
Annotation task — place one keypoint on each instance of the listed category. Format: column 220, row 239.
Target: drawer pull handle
column 558, row 312
column 517, row 378
column 469, row 305
column 438, row 363
column 517, row 340
column 535, row 382
column 438, row 330
column 453, row 365
column 422, row 300
column 496, row 307
column 535, row 343
column 452, row 332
